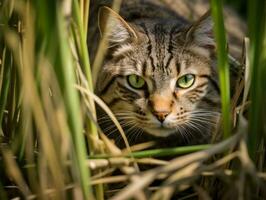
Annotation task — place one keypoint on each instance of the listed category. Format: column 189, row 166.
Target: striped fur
column 160, row 51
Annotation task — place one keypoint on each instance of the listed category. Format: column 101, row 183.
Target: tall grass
column 50, row 144
column 49, row 116
column 257, row 55
column 224, row 76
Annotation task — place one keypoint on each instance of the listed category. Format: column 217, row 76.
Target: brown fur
column 161, row 51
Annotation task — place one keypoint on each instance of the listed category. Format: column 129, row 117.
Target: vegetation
column 52, row 148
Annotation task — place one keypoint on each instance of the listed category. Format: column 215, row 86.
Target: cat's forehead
column 159, row 54
column 160, row 32
column 162, row 53
column 157, row 48
column 160, row 26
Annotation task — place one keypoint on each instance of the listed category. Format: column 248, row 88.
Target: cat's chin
column 160, row 132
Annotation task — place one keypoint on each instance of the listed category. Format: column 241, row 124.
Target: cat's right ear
column 201, row 32
column 117, row 30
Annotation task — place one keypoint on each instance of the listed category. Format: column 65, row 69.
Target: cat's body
column 159, row 76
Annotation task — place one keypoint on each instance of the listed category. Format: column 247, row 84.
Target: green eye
column 136, row 81
column 185, row 81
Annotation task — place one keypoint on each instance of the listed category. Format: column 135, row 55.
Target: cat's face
column 161, row 78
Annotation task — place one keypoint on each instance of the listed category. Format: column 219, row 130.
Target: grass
column 224, row 76
column 257, row 55
column 50, row 143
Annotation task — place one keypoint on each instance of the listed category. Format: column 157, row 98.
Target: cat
column 159, row 76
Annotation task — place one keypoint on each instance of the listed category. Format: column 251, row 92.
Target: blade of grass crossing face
column 219, row 33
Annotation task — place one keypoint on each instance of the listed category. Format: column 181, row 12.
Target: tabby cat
column 159, row 77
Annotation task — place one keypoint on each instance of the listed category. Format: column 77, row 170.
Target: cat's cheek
column 141, row 103
column 122, row 106
column 169, row 124
column 153, row 122
column 182, row 106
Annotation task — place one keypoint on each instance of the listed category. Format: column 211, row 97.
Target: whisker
column 190, row 124
column 139, row 133
column 180, row 130
column 203, row 121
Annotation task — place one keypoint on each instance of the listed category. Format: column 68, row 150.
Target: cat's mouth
column 161, row 131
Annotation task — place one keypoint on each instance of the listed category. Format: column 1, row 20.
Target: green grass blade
column 84, row 59
column 219, row 33
column 160, row 152
column 83, row 45
column 257, row 34
column 72, row 106
column 6, row 59
column 81, row 19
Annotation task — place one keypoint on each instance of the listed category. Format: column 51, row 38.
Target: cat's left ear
column 201, row 32
column 117, row 30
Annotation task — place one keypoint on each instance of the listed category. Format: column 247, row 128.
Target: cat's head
column 160, row 76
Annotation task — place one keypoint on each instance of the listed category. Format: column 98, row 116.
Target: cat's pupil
column 137, row 79
column 188, row 78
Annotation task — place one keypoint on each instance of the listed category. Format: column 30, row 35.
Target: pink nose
column 160, row 115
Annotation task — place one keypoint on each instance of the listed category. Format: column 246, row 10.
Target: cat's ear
column 201, row 32
column 115, row 27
